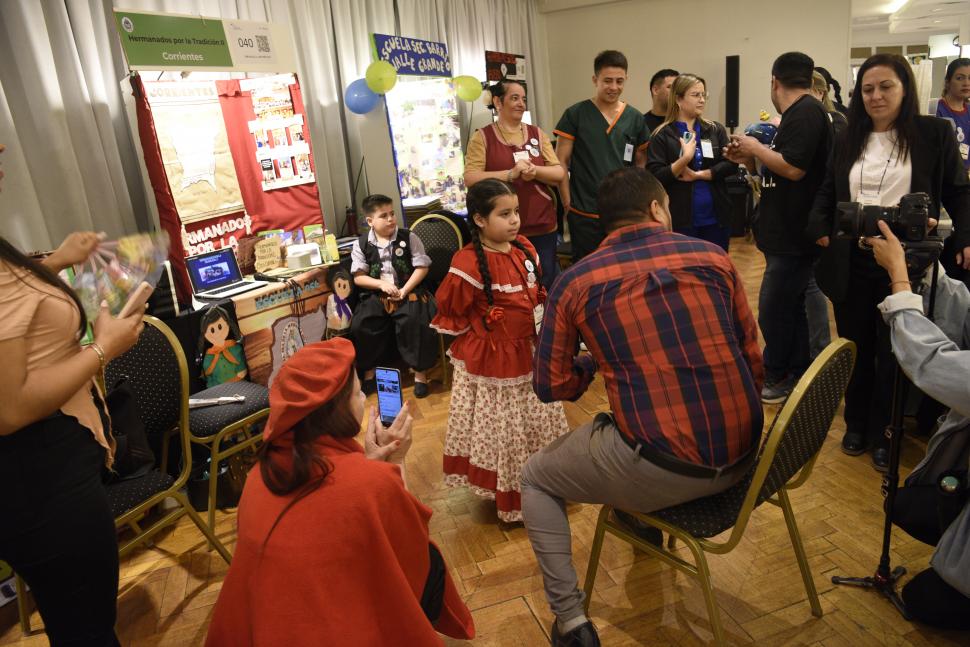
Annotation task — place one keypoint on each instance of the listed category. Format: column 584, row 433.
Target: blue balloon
column 359, row 98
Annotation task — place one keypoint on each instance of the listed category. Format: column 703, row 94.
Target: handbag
column 134, row 458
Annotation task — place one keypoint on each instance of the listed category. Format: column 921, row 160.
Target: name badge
column 706, row 149
column 537, row 313
column 964, row 150
column 520, row 156
column 628, row 153
column 868, row 198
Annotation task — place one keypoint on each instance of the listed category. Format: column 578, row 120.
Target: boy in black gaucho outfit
column 389, row 264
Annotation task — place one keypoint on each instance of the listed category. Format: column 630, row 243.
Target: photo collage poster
column 278, row 132
column 423, row 115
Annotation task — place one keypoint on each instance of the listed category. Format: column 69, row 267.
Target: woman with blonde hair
column 820, row 90
column 686, row 154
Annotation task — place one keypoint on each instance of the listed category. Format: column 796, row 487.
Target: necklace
column 502, row 131
column 862, row 167
column 494, row 249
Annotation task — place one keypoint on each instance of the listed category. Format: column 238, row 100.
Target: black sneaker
column 853, row 443
column 880, row 459
column 582, row 636
column 777, row 392
column 636, row 527
column 420, row 390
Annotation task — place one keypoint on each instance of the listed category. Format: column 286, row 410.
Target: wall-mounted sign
column 155, row 41
column 413, row 56
column 500, row 65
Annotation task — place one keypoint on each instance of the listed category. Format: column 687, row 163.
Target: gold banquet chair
column 158, row 375
column 785, row 462
column 441, row 239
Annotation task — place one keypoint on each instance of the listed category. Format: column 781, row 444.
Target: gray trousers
column 592, row 464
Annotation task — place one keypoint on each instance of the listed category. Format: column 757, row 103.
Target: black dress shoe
column 880, row 459
column 853, row 443
column 420, row 390
column 582, row 636
column 645, row 532
column 369, row 386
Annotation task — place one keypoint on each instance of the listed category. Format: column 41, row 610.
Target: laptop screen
column 213, row 270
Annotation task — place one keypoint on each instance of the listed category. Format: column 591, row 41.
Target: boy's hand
column 390, row 290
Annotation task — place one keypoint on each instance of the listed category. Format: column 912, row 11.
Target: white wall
column 694, row 36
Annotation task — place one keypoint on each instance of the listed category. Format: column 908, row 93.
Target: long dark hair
column 832, row 83
column 481, row 200
column 307, row 469
column 13, row 256
column 860, row 123
column 951, row 69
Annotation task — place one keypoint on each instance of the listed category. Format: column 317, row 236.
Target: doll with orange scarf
column 224, row 360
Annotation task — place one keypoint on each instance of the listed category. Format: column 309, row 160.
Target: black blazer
column 664, row 150
column 937, row 171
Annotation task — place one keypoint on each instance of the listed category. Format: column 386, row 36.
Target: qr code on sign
column 262, row 43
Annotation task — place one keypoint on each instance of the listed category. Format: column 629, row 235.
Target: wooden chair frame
column 699, row 570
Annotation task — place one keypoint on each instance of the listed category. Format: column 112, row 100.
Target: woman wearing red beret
column 332, row 549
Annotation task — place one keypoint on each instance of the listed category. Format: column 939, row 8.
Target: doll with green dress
column 223, row 360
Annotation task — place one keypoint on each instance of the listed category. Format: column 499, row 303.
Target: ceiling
column 918, row 17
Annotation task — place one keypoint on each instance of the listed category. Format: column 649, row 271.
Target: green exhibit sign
column 159, row 41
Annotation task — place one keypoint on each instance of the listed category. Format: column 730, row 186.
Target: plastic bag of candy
column 116, row 268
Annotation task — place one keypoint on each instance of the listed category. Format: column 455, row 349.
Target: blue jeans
column 546, row 245
column 781, row 315
column 817, row 310
column 715, row 233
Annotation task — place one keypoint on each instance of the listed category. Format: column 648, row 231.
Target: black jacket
column 664, row 150
column 937, row 171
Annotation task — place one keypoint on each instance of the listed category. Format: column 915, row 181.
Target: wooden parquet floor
column 168, row 591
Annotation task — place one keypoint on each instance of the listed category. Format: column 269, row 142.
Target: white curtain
column 71, row 160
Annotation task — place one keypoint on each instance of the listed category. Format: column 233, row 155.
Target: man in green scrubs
column 597, row 136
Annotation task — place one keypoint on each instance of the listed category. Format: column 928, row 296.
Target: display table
column 280, row 318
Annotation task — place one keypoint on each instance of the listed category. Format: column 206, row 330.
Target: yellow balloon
column 468, row 88
column 381, row 77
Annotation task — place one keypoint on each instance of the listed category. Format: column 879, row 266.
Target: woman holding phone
column 54, row 443
column 887, row 151
column 686, row 155
column 332, row 548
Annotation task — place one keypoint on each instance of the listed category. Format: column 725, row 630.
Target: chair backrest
column 158, row 376
column 799, row 429
column 441, row 239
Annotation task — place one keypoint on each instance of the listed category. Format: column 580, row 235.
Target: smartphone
column 389, row 399
column 136, row 302
column 688, row 135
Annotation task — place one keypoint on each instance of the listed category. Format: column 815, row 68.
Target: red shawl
column 346, row 565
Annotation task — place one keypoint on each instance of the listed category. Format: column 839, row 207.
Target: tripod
column 884, row 580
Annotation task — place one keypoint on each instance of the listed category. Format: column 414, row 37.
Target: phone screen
column 389, row 401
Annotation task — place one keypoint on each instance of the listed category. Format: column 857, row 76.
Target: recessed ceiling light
column 937, row 21
column 936, row 10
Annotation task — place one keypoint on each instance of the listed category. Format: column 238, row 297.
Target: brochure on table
column 422, row 115
column 226, row 157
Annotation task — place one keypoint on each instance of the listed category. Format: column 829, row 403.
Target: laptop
column 216, row 275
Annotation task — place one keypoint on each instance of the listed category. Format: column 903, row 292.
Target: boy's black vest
column 400, row 256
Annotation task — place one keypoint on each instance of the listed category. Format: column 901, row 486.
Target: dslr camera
column 909, row 222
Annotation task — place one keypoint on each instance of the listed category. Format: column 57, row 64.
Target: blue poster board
column 413, row 56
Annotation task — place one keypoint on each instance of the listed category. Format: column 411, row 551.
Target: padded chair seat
column 712, row 515
column 125, row 495
column 208, row 421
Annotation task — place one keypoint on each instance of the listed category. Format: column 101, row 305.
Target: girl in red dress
column 491, row 300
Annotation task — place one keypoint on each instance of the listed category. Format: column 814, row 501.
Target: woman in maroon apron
column 521, row 155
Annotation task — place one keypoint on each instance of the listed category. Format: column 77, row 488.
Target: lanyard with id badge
column 869, row 193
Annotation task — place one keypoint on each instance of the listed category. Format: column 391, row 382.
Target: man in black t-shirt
column 660, row 93
column 793, row 167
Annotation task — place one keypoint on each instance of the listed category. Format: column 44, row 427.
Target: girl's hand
column 115, row 335
column 389, row 443
column 75, row 249
column 889, row 253
column 373, row 449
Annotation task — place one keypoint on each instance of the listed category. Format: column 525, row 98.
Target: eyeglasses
column 699, row 95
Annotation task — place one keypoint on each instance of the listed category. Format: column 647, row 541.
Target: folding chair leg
column 796, row 542
column 704, row 577
column 213, row 484
column 206, row 530
column 594, row 555
column 22, row 604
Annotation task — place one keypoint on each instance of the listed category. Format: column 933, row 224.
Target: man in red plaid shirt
column 667, row 324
